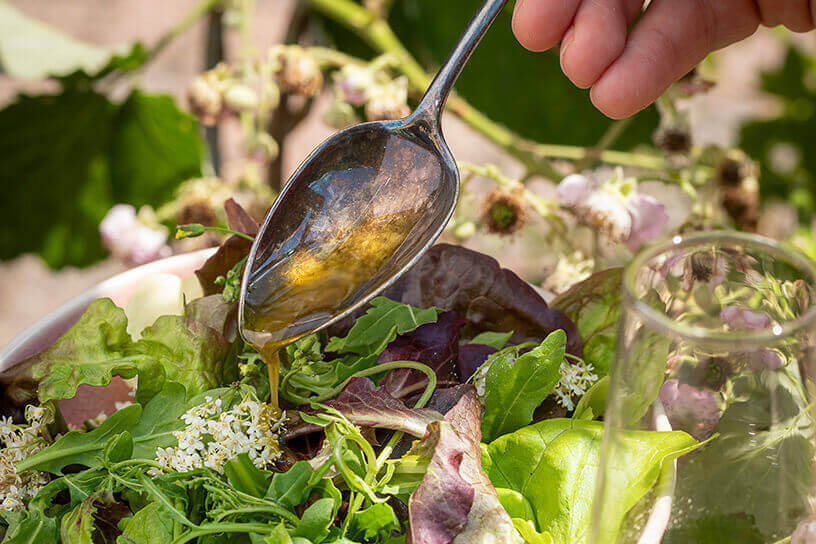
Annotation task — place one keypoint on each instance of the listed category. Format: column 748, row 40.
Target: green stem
column 534, row 156
column 260, row 528
column 385, row 367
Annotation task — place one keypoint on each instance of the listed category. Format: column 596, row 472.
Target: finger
column 794, row 14
column 671, row 38
column 596, row 38
column 540, row 24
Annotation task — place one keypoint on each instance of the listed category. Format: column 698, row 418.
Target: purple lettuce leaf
column 471, row 357
column 364, row 405
column 455, row 499
column 434, row 344
column 490, row 297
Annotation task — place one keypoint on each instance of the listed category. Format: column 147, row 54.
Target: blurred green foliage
column 784, row 145
column 68, row 157
column 522, row 90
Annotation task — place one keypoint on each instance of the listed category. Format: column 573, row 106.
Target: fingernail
column 518, row 7
column 569, row 37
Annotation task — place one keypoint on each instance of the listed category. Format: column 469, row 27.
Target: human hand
column 627, row 71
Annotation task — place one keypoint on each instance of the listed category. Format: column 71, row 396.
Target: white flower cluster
column 576, row 379
column 213, row 436
column 19, row 442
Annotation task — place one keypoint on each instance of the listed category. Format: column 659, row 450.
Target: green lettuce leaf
column 78, row 526
column 160, row 417
column 150, row 525
column 554, row 464
column 516, row 384
column 376, row 521
column 188, row 352
column 380, row 325
column 31, row 526
column 595, row 306
column 493, row 339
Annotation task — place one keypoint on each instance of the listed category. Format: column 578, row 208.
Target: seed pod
column 504, row 212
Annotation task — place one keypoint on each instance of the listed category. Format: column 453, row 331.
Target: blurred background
column 121, row 119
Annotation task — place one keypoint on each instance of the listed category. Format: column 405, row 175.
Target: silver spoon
column 359, row 211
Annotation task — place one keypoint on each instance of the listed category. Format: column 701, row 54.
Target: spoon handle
column 437, row 94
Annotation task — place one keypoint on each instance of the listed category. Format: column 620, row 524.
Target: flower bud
column 189, row 231
column 205, row 100
column 673, row 140
column 339, row 115
column 573, row 189
column 465, row 230
column 504, row 212
column 266, row 146
column 355, row 84
column 388, row 101
column 240, row 97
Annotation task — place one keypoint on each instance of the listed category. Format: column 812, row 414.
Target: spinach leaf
column 190, row 353
column 150, row 525
column 246, row 477
column 516, row 384
column 554, row 464
column 595, row 306
column 380, row 325
column 291, row 488
column 495, row 340
column 160, row 417
column 83, row 448
column 762, row 456
column 316, row 520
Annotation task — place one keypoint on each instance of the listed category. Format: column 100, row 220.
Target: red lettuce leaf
column 490, row 297
column 434, row 344
column 471, row 357
column 455, row 499
column 231, row 251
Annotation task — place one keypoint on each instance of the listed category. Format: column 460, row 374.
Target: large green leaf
column 67, row 158
column 155, row 146
column 516, row 384
column 553, row 464
column 524, row 91
column 150, row 525
column 160, row 417
column 31, row 526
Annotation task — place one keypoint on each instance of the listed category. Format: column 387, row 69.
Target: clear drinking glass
column 716, row 340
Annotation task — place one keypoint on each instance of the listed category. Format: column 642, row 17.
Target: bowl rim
column 20, row 346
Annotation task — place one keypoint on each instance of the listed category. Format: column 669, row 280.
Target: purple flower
column 648, row 219
column 741, row 319
column 805, row 532
column 573, row 189
column 693, row 410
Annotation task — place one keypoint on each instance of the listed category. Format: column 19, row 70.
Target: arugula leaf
column 31, row 526
column 246, row 477
column 160, row 417
column 150, row 525
column 82, row 448
column 190, row 353
column 380, row 325
column 515, row 385
column 762, row 456
column 496, row 340
column 554, row 464
column 376, row 521
column 595, row 306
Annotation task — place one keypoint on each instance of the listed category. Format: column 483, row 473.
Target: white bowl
column 88, row 402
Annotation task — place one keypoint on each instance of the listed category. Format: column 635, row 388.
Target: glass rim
column 662, row 323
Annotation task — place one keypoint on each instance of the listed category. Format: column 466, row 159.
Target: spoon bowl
column 359, row 211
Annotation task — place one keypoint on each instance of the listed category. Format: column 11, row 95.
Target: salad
column 458, row 408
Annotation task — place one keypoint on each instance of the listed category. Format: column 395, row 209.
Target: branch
column 534, row 156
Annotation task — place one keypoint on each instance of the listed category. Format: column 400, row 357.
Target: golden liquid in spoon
column 295, row 294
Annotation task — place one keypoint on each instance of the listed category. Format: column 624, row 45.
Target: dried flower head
column 206, row 94
column 504, row 212
column 298, row 72
column 673, row 140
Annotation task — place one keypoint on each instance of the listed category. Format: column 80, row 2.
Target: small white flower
column 570, row 270
column 577, row 377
